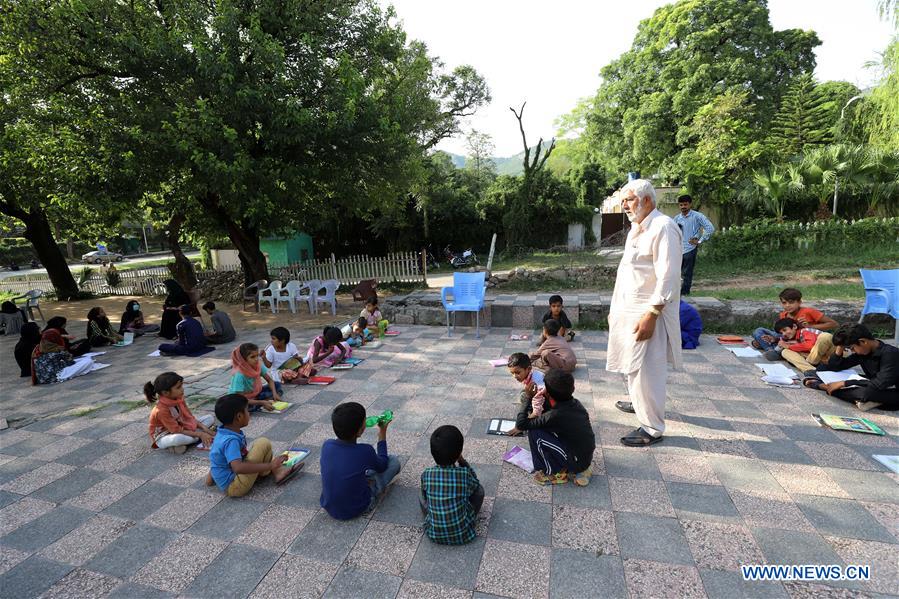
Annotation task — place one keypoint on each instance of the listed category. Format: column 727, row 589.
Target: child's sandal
column 551, row 479
column 582, row 479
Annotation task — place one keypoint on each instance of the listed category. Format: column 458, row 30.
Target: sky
column 551, row 57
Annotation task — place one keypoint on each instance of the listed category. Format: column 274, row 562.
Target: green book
column 848, row 423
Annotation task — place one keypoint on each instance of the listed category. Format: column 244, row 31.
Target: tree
column 272, row 116
column 518, row 219
column 775, row 186
column 804, row 118
column 828, row 167
column 480, row 156
column 720, row 144
column 684, row 56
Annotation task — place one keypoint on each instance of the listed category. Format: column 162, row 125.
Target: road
column 149, row 258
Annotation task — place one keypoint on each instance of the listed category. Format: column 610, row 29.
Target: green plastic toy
column 384, row 418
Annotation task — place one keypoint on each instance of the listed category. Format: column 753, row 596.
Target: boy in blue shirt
column 232, row 466
column 353, row 474
column 451, row 495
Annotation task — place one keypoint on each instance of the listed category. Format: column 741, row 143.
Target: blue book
column 353, row 361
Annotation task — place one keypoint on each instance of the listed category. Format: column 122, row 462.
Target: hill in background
column 510, row 165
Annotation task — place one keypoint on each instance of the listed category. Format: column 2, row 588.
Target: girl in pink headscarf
column 247, row 378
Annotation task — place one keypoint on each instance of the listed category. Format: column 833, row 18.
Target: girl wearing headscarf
column 11, row 318
column 249, row 371
column 31, row 336
column 191, row 338
column 133, row 321
column 51, row 363
column 99, row 329
column 75, row 347
column 175, row 298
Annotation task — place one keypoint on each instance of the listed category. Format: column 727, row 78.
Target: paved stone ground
column 744, row 476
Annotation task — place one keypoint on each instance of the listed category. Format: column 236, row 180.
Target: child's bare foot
column 282, row 474
column 209, row 481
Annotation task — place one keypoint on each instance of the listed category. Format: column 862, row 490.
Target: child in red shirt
column 791, row 300
column 804, row 348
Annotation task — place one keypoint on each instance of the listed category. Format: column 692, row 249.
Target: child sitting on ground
column 879, row 362
column 328, row 349
column 373, row 317
column 247, row 378
column 172, row 425
column 356, row 333
column 690, row 326
column 191, row 340
column 557, row 313
column 353, row 474
column 222, row 329
column 232, row 466
column 520, row 368
column 554, row 352
column 791, row 300
column 804, row 348
column 99, row 329
column 451, row 495
column 561, row 439
column 282, row 357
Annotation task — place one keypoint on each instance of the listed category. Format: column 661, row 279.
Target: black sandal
column 625, row 406
column 639, row 438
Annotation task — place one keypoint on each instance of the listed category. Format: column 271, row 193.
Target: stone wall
column 579, row 276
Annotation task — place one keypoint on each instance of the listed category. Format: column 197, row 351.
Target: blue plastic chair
column 467, row 296
column 881, row 294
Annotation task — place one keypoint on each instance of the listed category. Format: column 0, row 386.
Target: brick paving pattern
column 744, row 476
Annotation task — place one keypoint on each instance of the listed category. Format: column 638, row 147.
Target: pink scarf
column 241, row 365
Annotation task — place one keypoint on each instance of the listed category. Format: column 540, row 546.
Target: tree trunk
column 182, row 269
column 246, row 240
column 244, row 237
column 39, row 232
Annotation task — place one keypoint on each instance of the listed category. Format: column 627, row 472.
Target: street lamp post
column 836, row 178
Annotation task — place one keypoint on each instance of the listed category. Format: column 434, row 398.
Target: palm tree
column 884, row 191
column 827, row 167
column 774, row 187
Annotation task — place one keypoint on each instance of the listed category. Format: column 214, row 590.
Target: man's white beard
column 632, row 215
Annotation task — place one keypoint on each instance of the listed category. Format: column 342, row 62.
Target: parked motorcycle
column 431, row 260
column 466, row 258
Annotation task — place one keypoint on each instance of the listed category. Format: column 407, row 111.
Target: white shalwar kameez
column 648, row 275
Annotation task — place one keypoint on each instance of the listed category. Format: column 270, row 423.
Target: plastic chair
column 251, row 293
column 881, row 294
column 273, row 291
column 311, row 288
column 365, row 289
column 329, row 297
column 289, row 294
column 32, row 302
column 468, row 296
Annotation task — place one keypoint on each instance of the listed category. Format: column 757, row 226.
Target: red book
column 321, row 380
column 731, row 340
column 391, row 333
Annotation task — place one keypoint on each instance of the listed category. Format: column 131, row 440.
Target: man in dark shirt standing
column 879, row 361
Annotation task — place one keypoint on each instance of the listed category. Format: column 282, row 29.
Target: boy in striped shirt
column 451, row 495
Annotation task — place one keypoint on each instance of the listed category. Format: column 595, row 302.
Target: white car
column 98, row 257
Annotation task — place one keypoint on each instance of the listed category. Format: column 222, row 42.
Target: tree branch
column 524, row 139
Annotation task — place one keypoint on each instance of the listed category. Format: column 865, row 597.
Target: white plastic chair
column 32, row 303
column 289, row 294
column 273, row 291
column 329, row 296
column 310, row 288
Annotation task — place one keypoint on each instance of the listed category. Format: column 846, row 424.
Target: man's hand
column 694, row 241
column 831, row 387
column 646, row 327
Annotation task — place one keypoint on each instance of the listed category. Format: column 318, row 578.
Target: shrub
column 766, row 236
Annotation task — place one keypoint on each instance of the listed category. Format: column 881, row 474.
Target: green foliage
column 771, row 238
column 682, row 58
column 720, row 144
column 882, row 123
column 113, row 278
column 774, row 187
column 804, row 118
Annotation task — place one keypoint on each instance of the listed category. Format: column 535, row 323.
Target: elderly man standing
column 644, row 321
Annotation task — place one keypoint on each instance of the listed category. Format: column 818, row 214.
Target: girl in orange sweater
column 172, row 426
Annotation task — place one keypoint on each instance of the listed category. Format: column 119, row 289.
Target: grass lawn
column 811, row 291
